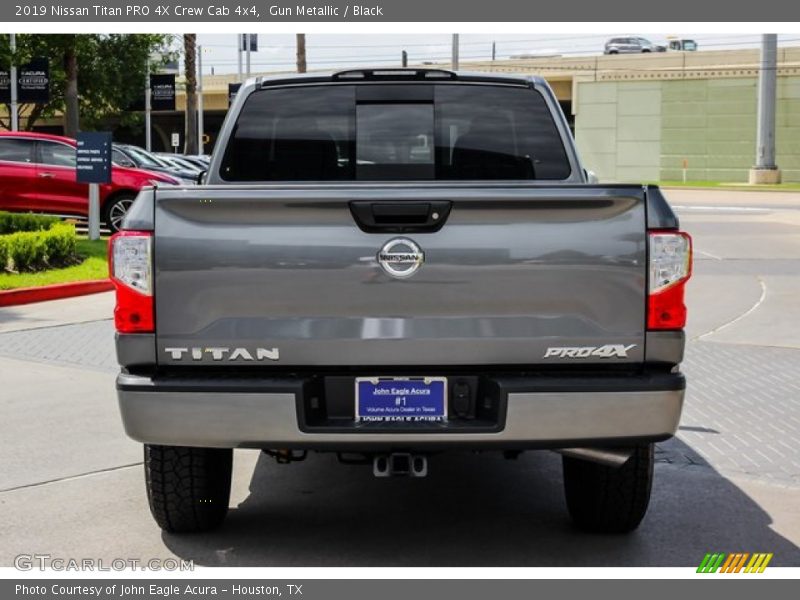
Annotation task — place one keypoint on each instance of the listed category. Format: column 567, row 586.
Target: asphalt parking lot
column 71, row 483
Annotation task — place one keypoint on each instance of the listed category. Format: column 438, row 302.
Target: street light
column 239, row 44
column 12, row 39
column 200, row 124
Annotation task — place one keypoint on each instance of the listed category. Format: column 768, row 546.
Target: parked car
column 127, row 155
column 178, row 162
column 682, row 46
column 37, row 173
column 631, row 45
column 201, row 161
column 390, row 264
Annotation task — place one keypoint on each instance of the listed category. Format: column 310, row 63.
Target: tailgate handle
column 403, row 216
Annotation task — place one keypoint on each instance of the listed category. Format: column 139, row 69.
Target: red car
column 37, row 173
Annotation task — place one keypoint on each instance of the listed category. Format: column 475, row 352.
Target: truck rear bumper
column 623, row 410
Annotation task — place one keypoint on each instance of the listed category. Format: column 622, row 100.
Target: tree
column 71, row 100
column 190, row 67
column 93, row 78
column 301, row 52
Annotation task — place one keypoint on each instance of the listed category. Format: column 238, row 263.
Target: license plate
column 401, row 399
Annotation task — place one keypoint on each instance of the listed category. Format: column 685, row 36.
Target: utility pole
column 454, row 60
column 239, row 43
column 148, row 109
column 494, row 50
column 302, row 65
column 247, row 52
column 14, row 81
column 765, row 169
column 200, row 144
column 404, row 58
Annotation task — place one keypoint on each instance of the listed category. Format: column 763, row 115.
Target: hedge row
column 14, row 222
column 38, row 250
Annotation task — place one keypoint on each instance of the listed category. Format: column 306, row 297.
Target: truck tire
column 188, row 488
column 608, row 499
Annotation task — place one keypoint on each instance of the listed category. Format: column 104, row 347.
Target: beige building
column 651, row 130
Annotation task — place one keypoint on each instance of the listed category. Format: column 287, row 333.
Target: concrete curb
column 53, row 292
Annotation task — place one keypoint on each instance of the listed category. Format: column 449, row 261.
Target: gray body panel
column 515, row 270
column 518, row 289
column 534, row 419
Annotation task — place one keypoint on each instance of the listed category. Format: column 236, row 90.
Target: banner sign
column 253, row 42
column 93, row 157
column 33, row 83
column 162, row 91
column 5, row 86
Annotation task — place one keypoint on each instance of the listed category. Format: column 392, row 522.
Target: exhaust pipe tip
column 610, row 457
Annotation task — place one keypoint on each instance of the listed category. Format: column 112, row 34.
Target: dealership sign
column 93, row 157
column 33, row 83
column 162, row 91
column 253, row 42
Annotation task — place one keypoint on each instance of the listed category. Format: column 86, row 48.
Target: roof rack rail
column 396, row 73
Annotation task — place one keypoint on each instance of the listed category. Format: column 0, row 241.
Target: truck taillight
column 131, row 269
column 670, row 267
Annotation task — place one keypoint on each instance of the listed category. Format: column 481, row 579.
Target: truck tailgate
column 517, row 275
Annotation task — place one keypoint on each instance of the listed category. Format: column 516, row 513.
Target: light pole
column 148, row 109
column 200, row 99
column 239, row 42
column 247, row 52
column 13, row 74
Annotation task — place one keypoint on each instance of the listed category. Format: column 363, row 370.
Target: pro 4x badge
column 607, row 351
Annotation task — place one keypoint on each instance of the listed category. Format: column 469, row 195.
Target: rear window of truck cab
column 395, row 132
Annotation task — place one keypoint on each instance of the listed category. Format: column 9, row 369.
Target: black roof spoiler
column 389, row 74
column 394, row 74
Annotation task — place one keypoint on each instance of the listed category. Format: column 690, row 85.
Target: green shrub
column 14, row 222
column 60, row 241
column 38, row 250
column 3, row 254
column 26, row 249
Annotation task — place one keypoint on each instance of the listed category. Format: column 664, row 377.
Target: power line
column 446, row 43
column 444, row 55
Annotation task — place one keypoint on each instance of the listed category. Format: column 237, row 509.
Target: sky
column 339, row 51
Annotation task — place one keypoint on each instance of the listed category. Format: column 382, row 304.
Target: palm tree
column 189, row 64
column 301, row 52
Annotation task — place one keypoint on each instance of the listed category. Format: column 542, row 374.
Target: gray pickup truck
column 392, row 264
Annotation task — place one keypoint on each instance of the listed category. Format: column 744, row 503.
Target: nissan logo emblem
column 400, row 258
